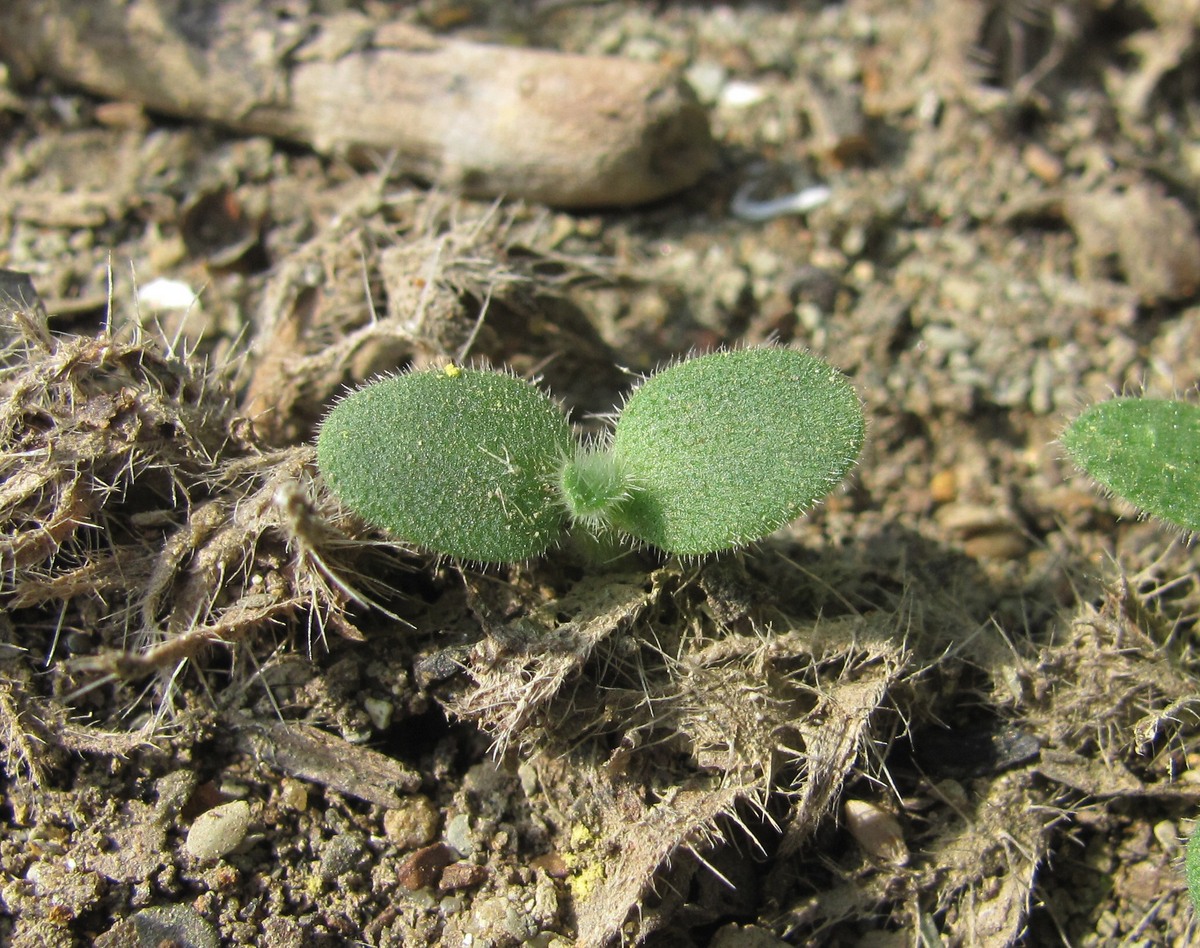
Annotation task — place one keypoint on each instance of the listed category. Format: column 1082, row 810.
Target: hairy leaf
column 1147, row 451
column 462, row 461
column 725, row 449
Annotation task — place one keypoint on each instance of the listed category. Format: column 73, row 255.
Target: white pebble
column 739, row 94
column 876, row 831
column 219, row 831
column 161, row 294
column 379, row 710
column 801, row 202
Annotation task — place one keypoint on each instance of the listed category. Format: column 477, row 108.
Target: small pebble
column 163, row 294
column 1151, row 234
column 413, row 824
column 707, row 79
column 738, row 94
column 177, row 925
column 174, row 790
column 943, row 487
column 219, row 831
column 1167, row 834
column 461, row 875
column 65, row 886
column 528, row 777
column 458, row 834
column 876, row 831
column 1042, row 163
column 747, row 208
column 424, row 867
column 340, row 855
column 1003, row 544
column 294, row 795
column 128, row 115
column 552, row 864
column 953, row 793
column 985, row 532
column 380, row 711
column 486, row 779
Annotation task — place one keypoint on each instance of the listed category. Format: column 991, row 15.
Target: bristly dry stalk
column 134, row 505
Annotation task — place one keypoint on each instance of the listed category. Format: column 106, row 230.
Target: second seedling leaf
column 1146, row 450
column 724, row 449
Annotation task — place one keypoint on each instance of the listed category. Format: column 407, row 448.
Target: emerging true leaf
column 1147, row 451
column 462, row 461
column 592, row 485
column 1192, row 867
column 725, row 449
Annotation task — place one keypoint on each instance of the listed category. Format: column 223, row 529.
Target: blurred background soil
column 953, row 706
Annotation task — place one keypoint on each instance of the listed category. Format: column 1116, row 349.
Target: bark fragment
column 563, row 129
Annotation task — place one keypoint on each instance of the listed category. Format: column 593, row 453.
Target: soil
column 954, row 705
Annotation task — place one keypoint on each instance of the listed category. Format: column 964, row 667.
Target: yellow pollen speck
column 584, row 882
column 452, row 371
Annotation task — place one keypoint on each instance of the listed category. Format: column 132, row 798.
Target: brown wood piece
column 563, row 129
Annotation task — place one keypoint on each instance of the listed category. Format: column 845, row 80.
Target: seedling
column 1147, row 451
column 1191, row 864
column 710, row 454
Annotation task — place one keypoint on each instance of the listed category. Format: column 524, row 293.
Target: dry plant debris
column 967, row 640
column 453, row 282
column 131, row 492
column 672, row 718
column 716, row 733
